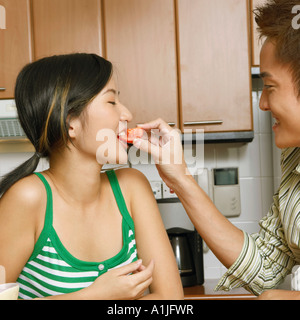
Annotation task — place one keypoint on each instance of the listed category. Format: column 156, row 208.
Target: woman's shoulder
column 131, row 177
column 134, row 185
column 27, row 194
column 132, row 182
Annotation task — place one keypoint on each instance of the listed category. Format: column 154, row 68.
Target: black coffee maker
column 188, row 250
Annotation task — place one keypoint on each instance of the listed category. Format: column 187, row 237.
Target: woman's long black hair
column 48, row 93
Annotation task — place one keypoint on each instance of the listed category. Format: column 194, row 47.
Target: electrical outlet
column 157, row 189
column 167, row 192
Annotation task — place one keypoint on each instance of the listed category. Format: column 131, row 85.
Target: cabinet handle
column 2, row 89
column 171, row 124
column 203, row 123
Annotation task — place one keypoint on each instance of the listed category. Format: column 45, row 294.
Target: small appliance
column 186, row 243
column 188, row 251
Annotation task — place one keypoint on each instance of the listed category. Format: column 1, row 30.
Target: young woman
column 72, row 232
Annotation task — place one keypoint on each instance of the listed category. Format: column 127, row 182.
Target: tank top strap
column 119, row 197
column 49, row 207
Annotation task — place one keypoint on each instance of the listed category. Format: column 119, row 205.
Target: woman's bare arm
column 151, row 237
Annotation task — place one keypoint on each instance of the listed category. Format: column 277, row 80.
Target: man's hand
column 279, row 295
column 164, row 144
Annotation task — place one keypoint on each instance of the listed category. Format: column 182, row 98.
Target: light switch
column 156, row 189
column 167, row 192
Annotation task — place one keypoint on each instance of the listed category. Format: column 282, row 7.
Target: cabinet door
column 66, row 26
column 141, row 43
column 256, row 42
column 15, row 44
column 215, row 66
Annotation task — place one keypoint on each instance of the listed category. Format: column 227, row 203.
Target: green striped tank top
column 52, row 270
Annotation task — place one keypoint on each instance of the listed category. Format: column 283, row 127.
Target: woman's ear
column 74, row 127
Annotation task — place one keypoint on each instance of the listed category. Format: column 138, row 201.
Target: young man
column 259, row 262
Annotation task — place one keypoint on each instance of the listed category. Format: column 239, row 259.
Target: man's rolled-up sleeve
column 265, row 259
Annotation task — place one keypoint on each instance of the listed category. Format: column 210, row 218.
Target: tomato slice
column 131, row 135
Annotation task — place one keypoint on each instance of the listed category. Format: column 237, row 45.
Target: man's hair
column 275, row 22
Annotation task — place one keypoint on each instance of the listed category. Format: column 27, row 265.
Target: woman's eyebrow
column 113, row 91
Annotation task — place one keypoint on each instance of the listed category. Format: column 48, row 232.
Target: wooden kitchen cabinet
column 15, row 44
column 256, row 41
column 214, row 69
column 141, row 43
column 186, row 61
column 66, row 26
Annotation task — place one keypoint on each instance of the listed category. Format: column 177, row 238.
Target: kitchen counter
column 206, row 292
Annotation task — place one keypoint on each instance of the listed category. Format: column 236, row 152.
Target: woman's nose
column 125, row 114
column 263, row 102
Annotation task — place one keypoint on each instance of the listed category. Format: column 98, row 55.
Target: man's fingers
column 156, row 124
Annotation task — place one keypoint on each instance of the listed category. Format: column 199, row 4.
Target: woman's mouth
column 122, row 139
column 130, row 135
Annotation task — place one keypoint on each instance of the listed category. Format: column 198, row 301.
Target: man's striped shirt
column 269, row 256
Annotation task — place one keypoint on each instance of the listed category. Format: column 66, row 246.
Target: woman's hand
column 164, row 144
column 124, row 283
